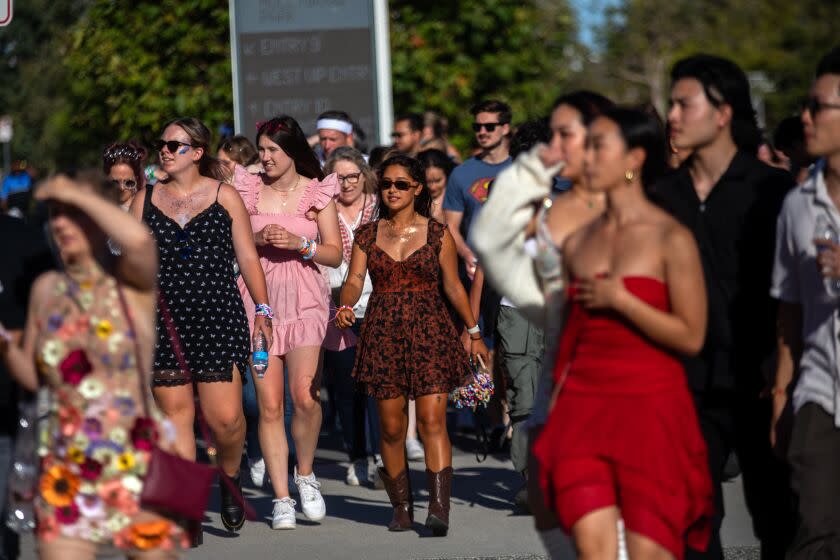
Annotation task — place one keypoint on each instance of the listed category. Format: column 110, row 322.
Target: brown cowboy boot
column 399, row 492
column 440, row 488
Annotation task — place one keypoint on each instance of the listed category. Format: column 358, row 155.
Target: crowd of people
column 655, row 296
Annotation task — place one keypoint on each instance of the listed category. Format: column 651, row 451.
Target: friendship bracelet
column 264, row 310
column 307, row 248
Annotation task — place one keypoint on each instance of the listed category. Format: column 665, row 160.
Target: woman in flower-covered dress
column 78, row 342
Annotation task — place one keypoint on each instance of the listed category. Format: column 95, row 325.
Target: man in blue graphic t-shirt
column 468, row 185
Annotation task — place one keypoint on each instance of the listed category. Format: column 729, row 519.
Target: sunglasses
column 171, row 145
column 385, row 184
column 350, row 179
column 129, row 184
column 814, row 105
column 489, row 127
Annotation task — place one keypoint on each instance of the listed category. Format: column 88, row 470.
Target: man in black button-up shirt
column 730, row 201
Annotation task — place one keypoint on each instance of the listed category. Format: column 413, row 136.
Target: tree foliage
column 779, row 39
column 448, row 54
column 137, row 65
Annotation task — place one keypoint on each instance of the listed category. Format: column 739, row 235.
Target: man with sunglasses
column 408, row 134
column 469, row 183
column 808, row 366
column 730, row 201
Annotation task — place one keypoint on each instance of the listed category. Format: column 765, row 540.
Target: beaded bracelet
column 307, row 248
column 342, row 308
column 264, row 310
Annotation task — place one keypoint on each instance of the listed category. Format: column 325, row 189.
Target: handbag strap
column 250, row 513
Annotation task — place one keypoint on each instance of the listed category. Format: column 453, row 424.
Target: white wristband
column 473, row 330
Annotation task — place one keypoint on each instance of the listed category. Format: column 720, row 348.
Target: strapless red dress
column 624, row 430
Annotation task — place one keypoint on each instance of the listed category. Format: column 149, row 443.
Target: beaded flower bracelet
column 264, row 310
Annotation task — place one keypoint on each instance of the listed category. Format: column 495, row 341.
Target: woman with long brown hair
column 294, row 224
column 201, row 226
column 409, row 348
column 88, row 339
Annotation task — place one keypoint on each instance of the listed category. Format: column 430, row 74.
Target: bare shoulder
column 228, row 195
column 44, row 285
column 676, row 237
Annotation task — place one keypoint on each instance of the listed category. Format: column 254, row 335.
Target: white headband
column 335, row 124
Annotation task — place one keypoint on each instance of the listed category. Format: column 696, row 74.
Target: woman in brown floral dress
column 409, row 348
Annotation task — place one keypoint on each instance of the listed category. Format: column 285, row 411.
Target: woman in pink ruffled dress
column 295, row 226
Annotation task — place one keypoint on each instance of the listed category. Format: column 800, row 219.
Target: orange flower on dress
column 149, row 535
column 59, row 486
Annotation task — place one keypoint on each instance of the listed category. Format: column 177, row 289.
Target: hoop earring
column 628, row 176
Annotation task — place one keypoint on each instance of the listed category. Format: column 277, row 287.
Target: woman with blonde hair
column 356, row 204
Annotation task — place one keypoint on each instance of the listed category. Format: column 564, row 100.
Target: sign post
column 304, row 57
column 6, row 133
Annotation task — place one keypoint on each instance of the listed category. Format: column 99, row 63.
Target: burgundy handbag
column 173, row 484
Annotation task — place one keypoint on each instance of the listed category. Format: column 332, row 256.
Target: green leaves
column 447, row 55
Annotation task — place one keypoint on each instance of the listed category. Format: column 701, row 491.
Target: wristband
column 343, row 307
column 307, row 249
column 474, row 330
column 264, row 310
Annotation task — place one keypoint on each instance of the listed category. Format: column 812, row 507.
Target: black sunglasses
column 490, row 126
column 171, row 145
column 129, row 184
column 385, row 184
column 813, row 105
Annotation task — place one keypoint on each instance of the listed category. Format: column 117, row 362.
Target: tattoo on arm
column 359, row 276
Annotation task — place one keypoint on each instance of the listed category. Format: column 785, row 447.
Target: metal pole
column 382, row 53
column 234, row 68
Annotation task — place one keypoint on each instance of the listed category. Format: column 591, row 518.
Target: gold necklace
column 588, row 201
column 402, row 235
column 285, row 194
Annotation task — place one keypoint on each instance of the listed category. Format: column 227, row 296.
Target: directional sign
column 304, row 57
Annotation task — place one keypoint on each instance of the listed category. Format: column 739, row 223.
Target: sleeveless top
column 96, row 442
column 197, row 285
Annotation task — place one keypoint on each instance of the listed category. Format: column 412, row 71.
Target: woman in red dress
column 622, row 440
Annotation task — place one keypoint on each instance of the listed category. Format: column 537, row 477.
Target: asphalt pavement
column 483, row 523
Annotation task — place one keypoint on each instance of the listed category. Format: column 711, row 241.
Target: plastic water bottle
column 259, row 359
column 23, row 477
column 823, row 230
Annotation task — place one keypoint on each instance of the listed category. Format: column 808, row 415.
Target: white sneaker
column 311, row 501
column 283, row 516
column 257, row 470
column 414, row 450
column 356, row 472
column 373, row 474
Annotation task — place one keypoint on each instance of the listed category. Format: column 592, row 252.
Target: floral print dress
column 96, row 443
column 408, row 345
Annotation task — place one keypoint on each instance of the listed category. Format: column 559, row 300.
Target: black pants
column 815, row 461
column 735, row 422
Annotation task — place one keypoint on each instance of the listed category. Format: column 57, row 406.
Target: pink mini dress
column 297, row 291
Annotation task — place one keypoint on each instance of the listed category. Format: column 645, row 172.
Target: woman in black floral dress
column 409, row 348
